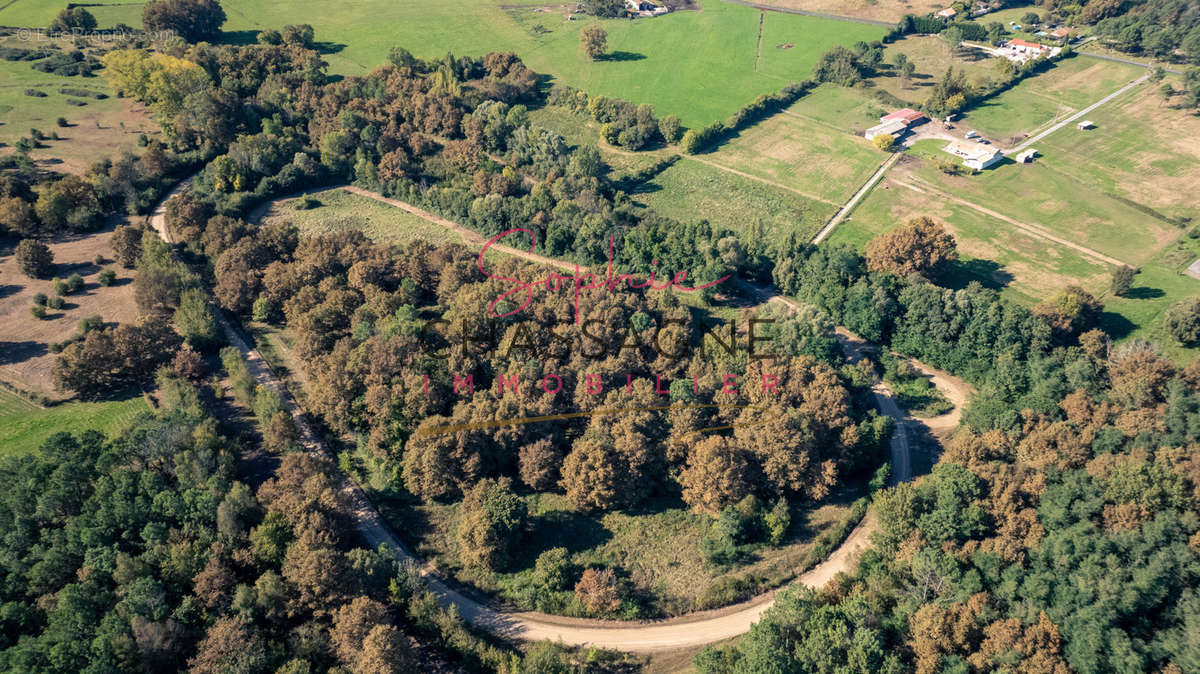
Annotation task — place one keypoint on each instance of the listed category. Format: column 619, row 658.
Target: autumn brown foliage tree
column 594, row 42
column 599, row 590
column 111, row 358
column 921, row 246
column 718, row 473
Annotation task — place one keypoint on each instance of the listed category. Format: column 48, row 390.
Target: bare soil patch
column 25, row 357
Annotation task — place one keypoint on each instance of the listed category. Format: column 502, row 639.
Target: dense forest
column 146, row 553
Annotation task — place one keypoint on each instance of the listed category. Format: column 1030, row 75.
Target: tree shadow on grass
column 622, row 56
column 1116, row 325
column 560, row 529
column 989, row 273
column 240, row 37
column 7, row 289
column 1143, row 293
column 328, row 47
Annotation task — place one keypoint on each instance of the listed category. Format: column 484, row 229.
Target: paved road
column 641, row 637
column 862, row 192
column 1033, row 139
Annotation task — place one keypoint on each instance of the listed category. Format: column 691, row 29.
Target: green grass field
column 839, row 108
column 1141, row 150
column 341, row 210
column 24, row 427
column 96, row 129
column 1039, row 194
column 993, row 252
column 700, row 65
column 691, row 191
column 656, row 547
column 1071, row 85
column 39, row 13
column 809, row 157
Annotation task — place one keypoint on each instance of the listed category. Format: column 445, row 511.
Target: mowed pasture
column 1035, row 102
column 338, row 210
column 690, row 191
column 1042, row 197
column 98, row 129
column 25, row 357
column 993, row 252
column 820, row 163
column 701, row 65
column 839, row 108
column 39, row 13
column 24, row 427
column 1141, row 149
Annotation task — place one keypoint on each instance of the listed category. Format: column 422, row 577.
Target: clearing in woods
column 99, row 127
column 26, row 360
column 336, row 210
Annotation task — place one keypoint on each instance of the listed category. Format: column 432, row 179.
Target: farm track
column 1035, row 138
column 1038, row 231
column 858, row 196
column 689, row 631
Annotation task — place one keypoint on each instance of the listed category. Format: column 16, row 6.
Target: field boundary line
column 1035, row 138
column 1039, row 231
column 469, row 236
column 772, row 183
column 862, row 192
column 758, row 45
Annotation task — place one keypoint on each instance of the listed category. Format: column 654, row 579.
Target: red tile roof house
column 909, row 116
column 1022, row 45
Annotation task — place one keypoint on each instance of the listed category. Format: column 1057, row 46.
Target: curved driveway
column 689, row 631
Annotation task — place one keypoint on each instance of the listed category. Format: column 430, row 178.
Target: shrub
column 74, row 283
column 60, row 287
column 35, row 93
column 62, row 122
column 34, row 258
column 553, row 569
column 82, row 93
column 598, row 591
column 106, row 277
column 307, row 202
column 1122, row 279
column 86, row 325
column 1183, row 321
column 55, row 303
column 38, row 311
column 40, row 299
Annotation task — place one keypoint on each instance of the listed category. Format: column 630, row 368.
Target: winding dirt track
column 688, row 631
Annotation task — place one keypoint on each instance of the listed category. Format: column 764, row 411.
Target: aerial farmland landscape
column 609, row 336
